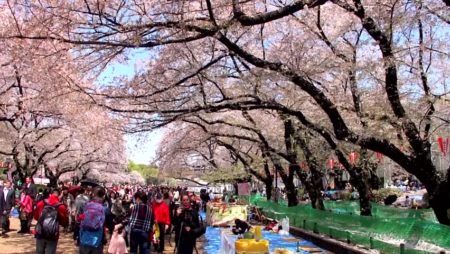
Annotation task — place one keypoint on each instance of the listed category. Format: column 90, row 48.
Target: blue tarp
column 276, row 241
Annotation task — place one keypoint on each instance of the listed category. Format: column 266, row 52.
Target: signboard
column 41, row 180
column 243, row 189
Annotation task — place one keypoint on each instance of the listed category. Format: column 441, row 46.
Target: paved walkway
column 19, row 244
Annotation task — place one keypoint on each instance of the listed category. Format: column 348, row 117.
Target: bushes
column 345, row 195
column 379, row 195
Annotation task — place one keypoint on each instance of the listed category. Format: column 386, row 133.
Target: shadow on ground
column 26, row 244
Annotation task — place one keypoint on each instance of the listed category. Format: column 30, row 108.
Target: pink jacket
column 26, row 202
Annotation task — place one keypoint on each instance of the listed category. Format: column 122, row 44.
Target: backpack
column 94, row 217
column 47, row 226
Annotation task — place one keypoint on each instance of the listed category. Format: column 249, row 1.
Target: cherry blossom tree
column 47, row 124
column 303, row 61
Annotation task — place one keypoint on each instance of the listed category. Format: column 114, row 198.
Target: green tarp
column 384, row 231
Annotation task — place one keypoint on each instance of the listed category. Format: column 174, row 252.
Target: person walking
column 25, row 211
column 67, row 199
column 162, row 218
column 7, row 194
column 186, row 222
column 92, row 223
column 80, row 201
column 116, row 206
column 50, row 214
column 117, row 244
column 141, row 223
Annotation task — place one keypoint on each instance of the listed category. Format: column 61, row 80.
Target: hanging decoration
column 443, row 145
column 353, row 157
column 303, row 165
column 379, row 156
column 330, row 163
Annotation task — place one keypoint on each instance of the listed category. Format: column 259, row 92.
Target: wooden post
column 402, row 248
column 371, row 242
column 348, row 237
column 304, row 224
column 315, row 229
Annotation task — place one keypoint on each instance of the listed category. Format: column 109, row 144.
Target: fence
column 385, row 231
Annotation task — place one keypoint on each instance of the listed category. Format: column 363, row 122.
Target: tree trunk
column 235, row 186
column 438, row 188
column 436, row 183
column 440, row 202
column 53, row 181
column 269, row 189
column 316, row 200
column 313, row 186
column 315, row 191
column 365, row 205
column 359, row 178
column 291, row 194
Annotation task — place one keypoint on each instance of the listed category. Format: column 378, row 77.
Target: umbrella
column 74, row 189
column 89, row 182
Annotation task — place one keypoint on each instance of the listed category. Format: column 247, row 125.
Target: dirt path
column 15, row 243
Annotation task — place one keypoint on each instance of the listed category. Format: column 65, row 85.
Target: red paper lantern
column 443, row 145
column 353, row 157
column 303, row 165
column 330, row 163
column 379, row 156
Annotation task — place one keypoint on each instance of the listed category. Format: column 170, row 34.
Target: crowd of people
column 125, row 219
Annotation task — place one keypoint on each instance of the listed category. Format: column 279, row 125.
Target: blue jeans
column 139, row 240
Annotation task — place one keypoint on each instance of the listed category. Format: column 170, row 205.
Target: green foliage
column 226, row 175
column 148, row 172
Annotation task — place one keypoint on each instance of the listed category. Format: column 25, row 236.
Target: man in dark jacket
column 186, row 222
column 31, row 187
column 7, row 195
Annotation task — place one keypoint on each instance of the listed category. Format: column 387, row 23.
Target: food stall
column 223, row 214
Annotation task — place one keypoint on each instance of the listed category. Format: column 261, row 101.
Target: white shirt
column 176, row 195
column 5, row 192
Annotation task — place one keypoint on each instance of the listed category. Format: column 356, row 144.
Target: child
column 117, row 244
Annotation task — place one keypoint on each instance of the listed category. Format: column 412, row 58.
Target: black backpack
column 47, row 226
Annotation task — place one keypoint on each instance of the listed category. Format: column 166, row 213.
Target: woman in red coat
column 26, row 210
column 162, row 218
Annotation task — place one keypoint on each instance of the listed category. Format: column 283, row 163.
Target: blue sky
column 141, row 148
